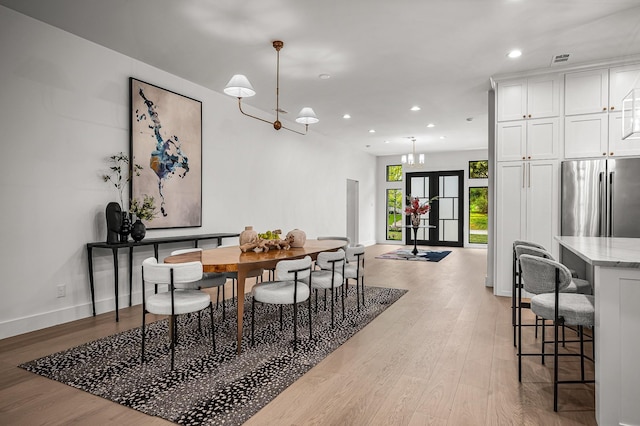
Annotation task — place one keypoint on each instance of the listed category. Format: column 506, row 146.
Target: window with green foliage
column 394, row 214
column 394, row 173
column 478, row 215
column 478, row 169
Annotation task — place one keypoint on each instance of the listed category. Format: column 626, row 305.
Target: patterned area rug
column 423, row 255
column 208, row 388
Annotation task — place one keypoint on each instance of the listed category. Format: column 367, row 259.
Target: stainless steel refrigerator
column 601, row 198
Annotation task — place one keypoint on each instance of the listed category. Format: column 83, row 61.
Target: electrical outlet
column 62, row 290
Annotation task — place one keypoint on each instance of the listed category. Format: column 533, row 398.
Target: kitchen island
column 615, row 263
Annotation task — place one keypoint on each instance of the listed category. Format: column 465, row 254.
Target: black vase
column 138, row 231
column 125, row 227
column 114, row 222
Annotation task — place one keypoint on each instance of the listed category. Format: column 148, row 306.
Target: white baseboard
column 42, row 320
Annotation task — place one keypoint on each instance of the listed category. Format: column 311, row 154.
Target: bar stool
column 516, row 288
column 577, row 285
column 547, row 279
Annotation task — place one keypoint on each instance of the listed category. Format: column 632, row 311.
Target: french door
column 443, row 225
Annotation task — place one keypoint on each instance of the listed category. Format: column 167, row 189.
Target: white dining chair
column 175, row 301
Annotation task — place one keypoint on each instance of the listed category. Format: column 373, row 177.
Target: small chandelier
column 240, row 87
column 410, row 159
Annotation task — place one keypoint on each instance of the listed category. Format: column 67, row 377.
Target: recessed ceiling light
column 372, row 131
column 431, row 125
column 346, row 116
column 443, row 137
column 514, row 54
column 387, row 141
column 324, row 76
column 415, row 108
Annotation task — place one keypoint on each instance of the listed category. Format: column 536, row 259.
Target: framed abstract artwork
column 166, row 140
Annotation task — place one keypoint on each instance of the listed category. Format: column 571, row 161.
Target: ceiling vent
column 560, row 59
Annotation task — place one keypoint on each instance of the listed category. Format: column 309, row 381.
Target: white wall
column 435, row 161
column 64, row 110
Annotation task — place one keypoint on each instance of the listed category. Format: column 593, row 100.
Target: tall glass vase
column 415, row 219
column 415, row 223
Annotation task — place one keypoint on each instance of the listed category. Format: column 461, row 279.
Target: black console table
column 155, row 242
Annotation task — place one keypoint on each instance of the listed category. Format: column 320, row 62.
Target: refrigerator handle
column 602, row 208
column 529, row 170
column 524, row 176
column 610, row 234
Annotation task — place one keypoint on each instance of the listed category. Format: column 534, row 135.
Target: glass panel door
column 442, row 226
column 420, row 188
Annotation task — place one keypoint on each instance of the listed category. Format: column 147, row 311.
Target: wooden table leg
column 242, row 276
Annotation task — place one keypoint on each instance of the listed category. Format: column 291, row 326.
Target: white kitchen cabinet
column 586, row 136
column 586, row 92
column 621, row 81
column 537, row 97
column 528, row 140
column 526, row 209
column 511, row 140
column 597, row 135
column 599, row 90
column 617, row 146
column 543, row 139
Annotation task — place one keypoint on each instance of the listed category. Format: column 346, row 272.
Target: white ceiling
column 383, row 56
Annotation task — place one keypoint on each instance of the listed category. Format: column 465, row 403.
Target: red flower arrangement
column 415, row 208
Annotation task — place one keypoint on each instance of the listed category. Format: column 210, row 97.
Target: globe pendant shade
column 239, row 87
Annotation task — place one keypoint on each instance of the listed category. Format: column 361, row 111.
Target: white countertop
column 605, row 251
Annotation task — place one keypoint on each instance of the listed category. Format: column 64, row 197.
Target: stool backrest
column 355, row 252
column 286, row 269
column 539, row 274
column 187, row 250
column 160, row 273
column 327, row 259
column 527, row 243
column 533, row 251
column 347, row 239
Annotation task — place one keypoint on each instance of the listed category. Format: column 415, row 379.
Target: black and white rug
column 208, row 388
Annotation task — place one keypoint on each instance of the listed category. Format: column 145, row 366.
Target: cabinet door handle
column 611, row 153
column 604, row 108
column 529, row 179
column 612, row 108
column 604, row 153
column 523, row 174
column 529, row 115
column 524, row 116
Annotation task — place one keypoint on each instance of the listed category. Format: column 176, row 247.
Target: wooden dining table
column 231, row 259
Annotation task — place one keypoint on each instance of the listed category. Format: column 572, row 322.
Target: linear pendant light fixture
column 240, row 87
column 410, row 159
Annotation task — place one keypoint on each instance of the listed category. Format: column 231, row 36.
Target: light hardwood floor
column 442, row 355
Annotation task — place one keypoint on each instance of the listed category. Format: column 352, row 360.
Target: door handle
column 602, row 206
column 524, row 177
column 610, row 204
column 529, row 177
